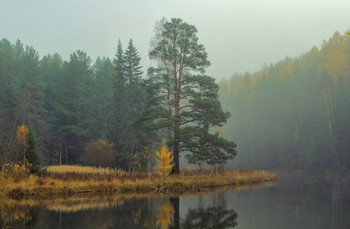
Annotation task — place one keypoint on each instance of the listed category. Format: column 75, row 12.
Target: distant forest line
column 294, row 114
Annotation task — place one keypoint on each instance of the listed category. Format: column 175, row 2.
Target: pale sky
column 239, row 35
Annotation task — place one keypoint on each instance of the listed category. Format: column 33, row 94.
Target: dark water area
column 291, row 203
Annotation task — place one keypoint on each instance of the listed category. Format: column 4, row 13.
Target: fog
column 239, row 35
column 295, row 113
column 282, row 68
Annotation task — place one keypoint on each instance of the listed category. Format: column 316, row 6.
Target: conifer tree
column 119, row 118
column 129, row 100
column 33, row 153
column 72, row 112
column 103, row 102
column 132, row 64
column 189, row 96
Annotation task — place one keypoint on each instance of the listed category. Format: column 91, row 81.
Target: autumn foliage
column 165, row 215
column 22, row 134
column 15, row 172
column 164, row 160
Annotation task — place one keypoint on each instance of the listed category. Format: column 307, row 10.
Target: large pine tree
column 190, row 96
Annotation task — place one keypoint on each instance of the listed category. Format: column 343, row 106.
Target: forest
column 111, row 113
column 294, row 114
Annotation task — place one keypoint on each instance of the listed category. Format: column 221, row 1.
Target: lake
column 291, row 203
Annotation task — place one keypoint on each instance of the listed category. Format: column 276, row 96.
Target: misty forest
column 110, row 113
column 293, row 114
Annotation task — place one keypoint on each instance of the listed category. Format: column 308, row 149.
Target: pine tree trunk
column 176, row 168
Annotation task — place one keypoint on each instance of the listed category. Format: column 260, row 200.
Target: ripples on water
column 291, row 203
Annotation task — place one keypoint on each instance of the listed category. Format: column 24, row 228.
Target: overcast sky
column 239, row 35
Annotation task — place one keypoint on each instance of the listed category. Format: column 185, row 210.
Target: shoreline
column 84, row 201
column 179, row 184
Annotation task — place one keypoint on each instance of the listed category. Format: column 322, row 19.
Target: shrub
column 99, row 153
column 15, row 171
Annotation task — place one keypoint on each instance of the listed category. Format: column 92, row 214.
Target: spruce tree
column 132, row 64
column 33, row 153
column 129, row 97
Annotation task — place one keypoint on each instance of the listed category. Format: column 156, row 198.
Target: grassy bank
column 77, row 179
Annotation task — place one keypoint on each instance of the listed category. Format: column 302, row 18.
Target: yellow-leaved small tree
column 22, row 136
column 164, row 159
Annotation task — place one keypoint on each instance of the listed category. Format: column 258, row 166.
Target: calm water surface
column 291, row 203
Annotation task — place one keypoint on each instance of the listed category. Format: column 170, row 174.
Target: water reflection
column 110, row 212
column 72, row 212
column 213, row 217
column 165, row 214
column 290, row 204
column 21, row 217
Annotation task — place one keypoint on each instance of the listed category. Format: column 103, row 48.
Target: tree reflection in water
column 112, row 212
column 294, row 203
column 213, row 217
column 21, row 217
column 165, row 215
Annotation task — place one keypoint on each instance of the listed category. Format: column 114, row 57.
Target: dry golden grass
column 76, row 172
column 82, row 179
column 64, row 169
column 14, row 209
column 52, row 192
